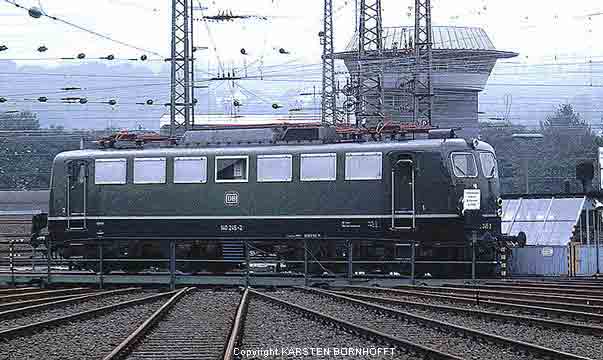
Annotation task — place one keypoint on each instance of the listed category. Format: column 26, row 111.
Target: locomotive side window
column 149, row 171
column 110, row 171
column 190, row 170
column 489, row 166
column 363, row 166
column 232, row 168
column 463, row 165
column 274, row 168
column 318, row 167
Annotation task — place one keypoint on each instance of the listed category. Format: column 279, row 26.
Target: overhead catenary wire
column 90, row 31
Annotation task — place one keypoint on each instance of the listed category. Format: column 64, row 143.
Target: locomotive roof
column 412, row 145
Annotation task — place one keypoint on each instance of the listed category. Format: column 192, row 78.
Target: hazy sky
column 538, row 29
column 541, row 31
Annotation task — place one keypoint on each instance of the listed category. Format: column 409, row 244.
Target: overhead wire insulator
column 109, row 57
column 276, row 106
column 144, row 58
column 81, row 56
column 2, row 100
column 149, row 102
column 283, row 51
column 3, row 47
column 83, row 100
column 112, row 102
column 43, row 99
column 42, row 48
column 35, row 12
column 243, row 51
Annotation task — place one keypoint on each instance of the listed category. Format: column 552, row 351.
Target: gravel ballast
column 438, row 339
column 558, row 339
column 197, row 327
column 483, row 305
column 56, row 311
column 83, row 339
column 269, row 326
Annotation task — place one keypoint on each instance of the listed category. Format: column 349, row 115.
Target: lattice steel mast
column 369, row 72
column 181, row 97
column 422, row 85
column 329, row 113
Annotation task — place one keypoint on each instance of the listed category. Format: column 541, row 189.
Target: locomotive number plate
column 231, row 227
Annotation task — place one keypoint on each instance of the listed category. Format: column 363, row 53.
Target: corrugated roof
column 444, row 38
column 546, row 221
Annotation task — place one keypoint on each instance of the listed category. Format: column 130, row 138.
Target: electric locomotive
column 289, row 189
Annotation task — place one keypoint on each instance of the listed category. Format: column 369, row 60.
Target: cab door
column 403, row 197
column 77, row 194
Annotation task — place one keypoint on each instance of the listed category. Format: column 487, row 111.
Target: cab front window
column 463, row 165
column 489, row 166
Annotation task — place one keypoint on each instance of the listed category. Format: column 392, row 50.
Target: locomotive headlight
column 499, row 202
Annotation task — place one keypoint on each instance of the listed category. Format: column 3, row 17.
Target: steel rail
column 18, row 290
column 70, row 300
column 237, row 326
column 42, row 293
column 18, row 304
column 28, row 329
column 481, row 293
column 520, row 345
column 517, row 304
column 370, row 334
column 122, row 350
column 532, row 289
column 554, row 324
column 547, row 285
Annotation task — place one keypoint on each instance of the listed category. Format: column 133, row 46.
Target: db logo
column 231, row 198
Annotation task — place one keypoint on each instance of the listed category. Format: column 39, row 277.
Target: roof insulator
column 3, row 47
column 276, row 106
column 112, row 102
column 83, row 100
column 2, row 100
column 42, row 99
column 243, row 51
column 42, row 48
column 143, row 57
column 110, row 57
column 81, row 56
column 149, row 102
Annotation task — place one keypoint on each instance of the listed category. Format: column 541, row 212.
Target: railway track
column 455, row 339
column 40, row 294
column 296, row 328
column 562, row 312
column 193, row 324
column 553, row 290
column 88, row 334
column 48, row 310
column 571, row 337
column 588, row 304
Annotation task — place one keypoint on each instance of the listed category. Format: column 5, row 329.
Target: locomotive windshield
column 489, row 166
column 463, row 165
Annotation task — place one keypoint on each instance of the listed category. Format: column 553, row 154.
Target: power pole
column 422, row 85
column 369, row 72
column 181, row 99
column 329, row 88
